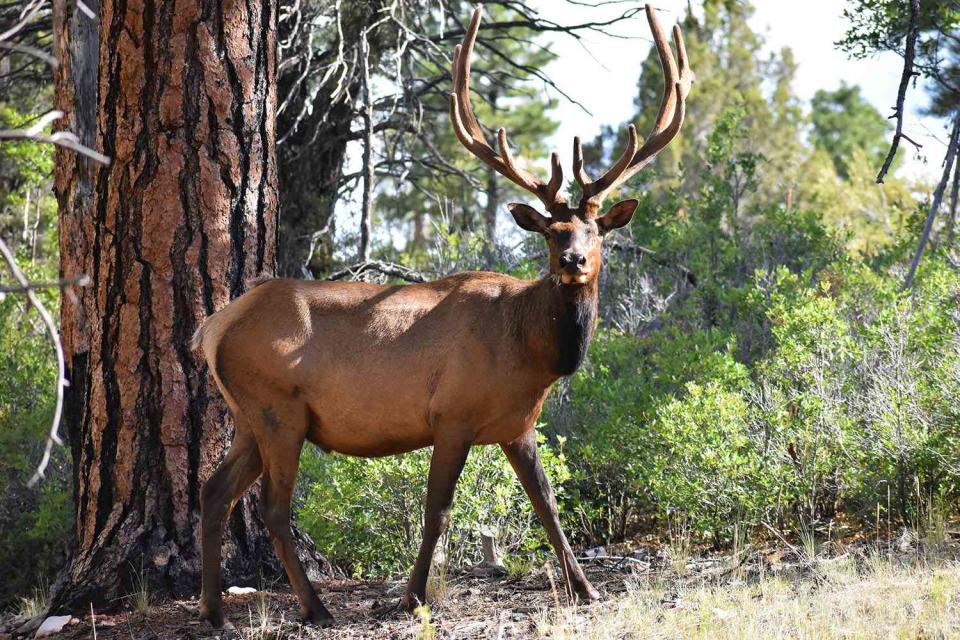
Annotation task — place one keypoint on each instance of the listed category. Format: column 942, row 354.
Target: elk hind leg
column 239, row 469
column 281, row 455
column 446, row 463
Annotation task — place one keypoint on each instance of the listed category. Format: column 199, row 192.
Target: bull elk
column 374, row 370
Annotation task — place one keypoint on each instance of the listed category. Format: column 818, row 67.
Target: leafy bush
column 367, row 514
column 793, row 381
column 34, row 523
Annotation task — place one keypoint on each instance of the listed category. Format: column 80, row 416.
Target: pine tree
column 732, row 72
column 507, row 96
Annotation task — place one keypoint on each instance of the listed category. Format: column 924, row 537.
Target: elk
column 373, row 370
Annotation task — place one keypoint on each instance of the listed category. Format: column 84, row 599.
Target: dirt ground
column 900, row 588
column 469, row 606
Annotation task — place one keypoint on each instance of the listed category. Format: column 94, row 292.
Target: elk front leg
column 523, row 457
column 447, row 462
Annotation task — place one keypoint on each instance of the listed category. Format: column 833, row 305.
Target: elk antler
column 470, row 133
column 676, row 86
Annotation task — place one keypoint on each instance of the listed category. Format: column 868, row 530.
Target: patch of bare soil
column 466, row 606
column 475, row 604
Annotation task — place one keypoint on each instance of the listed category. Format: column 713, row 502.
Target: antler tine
column 581, row 176
column 601, row 185
column 470, row 133
column 461, row 75
column 556, row 175
column 669, row 66
column 676, row 86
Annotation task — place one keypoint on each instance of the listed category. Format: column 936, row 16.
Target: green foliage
column 366, row 514
column 843, row 123
column 792, row 382
column 882, row 25
column 34, row 523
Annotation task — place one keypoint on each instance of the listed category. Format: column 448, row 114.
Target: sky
column 601, row 72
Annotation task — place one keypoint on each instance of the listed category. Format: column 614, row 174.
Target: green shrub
column 34, row 522
column 367, row 514
column 708, row 467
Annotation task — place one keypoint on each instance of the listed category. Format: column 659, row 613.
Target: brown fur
column 371, row 370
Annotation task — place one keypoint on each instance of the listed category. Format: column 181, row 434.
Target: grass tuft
column 877, row 597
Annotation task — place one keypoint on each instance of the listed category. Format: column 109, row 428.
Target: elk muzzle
column 573, row 268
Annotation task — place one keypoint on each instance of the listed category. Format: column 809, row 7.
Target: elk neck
column 556, row 323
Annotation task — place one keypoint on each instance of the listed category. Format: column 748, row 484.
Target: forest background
column 766, row 357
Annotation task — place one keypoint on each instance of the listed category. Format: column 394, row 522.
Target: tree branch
column 53, row 438
column 908, row 55
column 79, row 281
column 937, row 198
column 386, row 268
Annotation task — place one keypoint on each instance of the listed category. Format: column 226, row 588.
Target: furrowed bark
column 181, row 96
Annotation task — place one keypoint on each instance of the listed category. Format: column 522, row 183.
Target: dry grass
column 38, row 602
column 757, row 592
column 867, row 597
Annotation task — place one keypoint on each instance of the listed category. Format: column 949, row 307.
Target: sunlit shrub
column 367, row 514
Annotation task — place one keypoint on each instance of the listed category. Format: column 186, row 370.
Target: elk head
column 574, row 234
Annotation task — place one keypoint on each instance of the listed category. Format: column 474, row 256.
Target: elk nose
column 572, row 262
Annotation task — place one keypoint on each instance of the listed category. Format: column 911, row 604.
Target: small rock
column 53, row 624
column 239, row 591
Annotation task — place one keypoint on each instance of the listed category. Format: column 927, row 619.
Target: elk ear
column 528, row 218
column 618, row 215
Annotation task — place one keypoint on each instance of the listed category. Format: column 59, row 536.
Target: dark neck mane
column 558, row 323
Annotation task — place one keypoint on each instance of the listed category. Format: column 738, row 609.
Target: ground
column 892, row 589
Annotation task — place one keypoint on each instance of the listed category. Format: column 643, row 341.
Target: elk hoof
column 410, row 602
column 319, row 617
column 213, row 615
column 586, row 593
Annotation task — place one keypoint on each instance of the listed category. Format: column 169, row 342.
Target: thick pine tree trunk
column 181, row 95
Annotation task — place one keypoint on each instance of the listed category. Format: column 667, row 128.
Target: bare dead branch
column 53, row 438
column 689, row 276
column 908, row 73
column 954, row 192
column 66, row 139
column 30, row 51
column 63, row 283
column 366, row 209
column 948, row 161
column 386, row 268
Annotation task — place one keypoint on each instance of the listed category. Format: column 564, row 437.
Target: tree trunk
column 181, row 96
column 493, row 194
column 311, row 166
